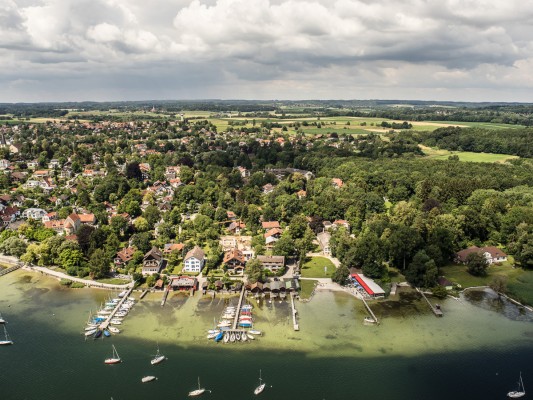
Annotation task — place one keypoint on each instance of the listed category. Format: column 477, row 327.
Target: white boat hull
column 148, row 379
column 260, row 388
column 158, row 360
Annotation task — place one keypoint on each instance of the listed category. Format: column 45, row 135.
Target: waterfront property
column 367, row 287
column 153, row 262
column 183, row 283
column 272, row 263
column 492, row 254
column 194, row 260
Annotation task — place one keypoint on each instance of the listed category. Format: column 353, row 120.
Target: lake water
column 475, row 351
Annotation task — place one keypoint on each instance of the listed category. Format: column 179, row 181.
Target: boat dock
column 144, row 294
column 370, row 311
column 10, row 269
column 165, row 295
column 238, row 313
column 294, row 314
column 436, row 309
column 106, row 323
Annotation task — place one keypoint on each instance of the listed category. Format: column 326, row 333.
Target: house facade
column 194, row 260
column 153, row 262
column 491, row 253
column 272, row 263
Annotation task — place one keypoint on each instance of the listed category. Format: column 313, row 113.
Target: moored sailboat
column 6, row 340
column 520, row 392
column 149, row 378
column 198, row 391
column 261, row 387
column 158, row 358
column 114, row 359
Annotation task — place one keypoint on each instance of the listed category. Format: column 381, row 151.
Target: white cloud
column 270, row 48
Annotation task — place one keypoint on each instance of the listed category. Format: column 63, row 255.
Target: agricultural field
column 467, row 156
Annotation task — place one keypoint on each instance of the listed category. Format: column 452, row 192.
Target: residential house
column 245, row 173
column 54, row 163
column 341, row 223
column 170, row 247
column 4, row 164
column 272, row 263
column 172, row 172
column 153, row 262
column 268, row 188
column 323, row 241
column 337, row 183
column 270, row 225
column 272, row 236
column 34, row 213
column 234, row 259
column 72, row 224
column 236, row 226
column 492, row 254
column 124, row 256
column 194, row 260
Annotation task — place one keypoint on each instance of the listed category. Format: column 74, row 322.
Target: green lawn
column 306, row 288
column 314, row 268
column 114, row 281
column 519, row 281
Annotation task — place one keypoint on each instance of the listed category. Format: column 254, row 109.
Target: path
column 61, row 275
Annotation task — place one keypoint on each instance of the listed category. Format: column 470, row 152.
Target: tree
column 99, row 264
column 119, row 224
column 477, row 264
column 285, row 246
column 254, row 270
column 69, row 259
column 340, row 275
column 13, row 246
column 422, row 271
column 133, row 171
column 152, row 215
column 499, row 284
column 141, row 224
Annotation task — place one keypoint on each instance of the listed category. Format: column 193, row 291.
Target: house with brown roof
column 491, row 253
column 272, row 263
column 272, row 236
column 153, row 262
column 194, row 260
column 183, row 282
column 270, row 225
column 268, row 188
column 170, row 247
column 124, row 256
column 234, row 259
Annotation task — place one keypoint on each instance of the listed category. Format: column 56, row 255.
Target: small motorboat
column 219, row 336
column 251, row 337
column 98, row 334
column 113, row 329
column 237, row 336
column 213, row 331
column 212, row 335
column 245, row 324
column 122, row 294
column 91, row 327
column 244, row 337
column 2, row 320
column 149, row 378
column 106, row 333
column 226, row 337
column 91, row 332
column 232, row 337
column 115, row 321
column 369, row 320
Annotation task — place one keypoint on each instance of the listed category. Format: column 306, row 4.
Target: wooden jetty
column 144, row 294
column 370, row 311
column 436, row 309
column 294, row 314
column 10, row 269
column 106, row 323
column 239, row 305
column 165, row 295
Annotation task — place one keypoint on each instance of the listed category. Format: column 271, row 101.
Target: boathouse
column 369, row 286
column 184, row 283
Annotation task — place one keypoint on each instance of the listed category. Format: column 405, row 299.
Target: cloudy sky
column 75, row 50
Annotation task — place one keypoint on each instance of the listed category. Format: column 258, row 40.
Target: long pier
column 165, row 295
column 10, row 269
column 106, row 323
column 294, row 313
column 437, row 311
column 238, row 313
column 370, row 311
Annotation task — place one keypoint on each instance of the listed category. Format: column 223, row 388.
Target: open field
column 487, row 125
column 306, row 288
column 314, row 268
column 467, row 156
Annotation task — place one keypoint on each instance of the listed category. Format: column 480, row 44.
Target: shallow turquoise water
column 475, row 352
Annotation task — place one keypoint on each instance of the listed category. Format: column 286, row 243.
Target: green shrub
column 77, row 285
column 65, row 282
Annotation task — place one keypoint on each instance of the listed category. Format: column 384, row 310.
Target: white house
column 34, row 213
column 194, row 260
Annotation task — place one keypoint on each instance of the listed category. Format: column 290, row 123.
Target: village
column 176, row 205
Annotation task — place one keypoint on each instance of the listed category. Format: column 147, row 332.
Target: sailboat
column 198, row 391
column 2, row 321
column 261, row 386
column 158, row 358
column 115, row 359
column 7, row 340
column 515, row 394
